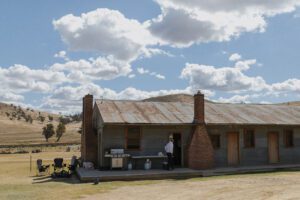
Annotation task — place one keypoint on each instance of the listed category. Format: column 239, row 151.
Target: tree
column 60, row 130
column 29, row 119
column 42, row 118
column 50, row 117
column 48, row 131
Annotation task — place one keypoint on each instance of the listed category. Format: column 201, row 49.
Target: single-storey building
column 206, row 134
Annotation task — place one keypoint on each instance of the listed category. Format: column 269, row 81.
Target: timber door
column 177, row 149
column 273, row 145
column 233, row 148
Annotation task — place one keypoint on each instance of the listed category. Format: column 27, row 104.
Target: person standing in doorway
column 169, row 150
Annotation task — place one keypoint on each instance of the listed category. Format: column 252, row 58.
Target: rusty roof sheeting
column 138, row 112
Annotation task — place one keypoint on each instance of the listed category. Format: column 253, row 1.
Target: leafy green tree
column 60, row 130
column 48, row 131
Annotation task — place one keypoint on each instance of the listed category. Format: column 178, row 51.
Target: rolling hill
column 14, row 130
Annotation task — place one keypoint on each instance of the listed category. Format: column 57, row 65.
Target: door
column 273, row 145
column 233, row 148
column 177, row 149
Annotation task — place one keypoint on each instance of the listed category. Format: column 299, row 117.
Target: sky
column 52, row 53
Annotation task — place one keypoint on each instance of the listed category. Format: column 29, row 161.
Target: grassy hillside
column 15, row 128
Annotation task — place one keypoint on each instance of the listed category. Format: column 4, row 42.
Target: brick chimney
column 200, row 150
column 88, row 137
column 199, row 108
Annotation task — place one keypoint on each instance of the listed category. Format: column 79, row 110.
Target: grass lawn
column 17, row 182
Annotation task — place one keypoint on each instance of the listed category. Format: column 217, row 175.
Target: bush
column 36, row 151
column 50, row 117
column 60, row 130
column 42, row 118
column 48, row 131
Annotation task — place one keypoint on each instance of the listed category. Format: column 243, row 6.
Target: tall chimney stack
column 200, row 150
column 88, row 137
column 199, row 117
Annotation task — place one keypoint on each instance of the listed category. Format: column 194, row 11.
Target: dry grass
column 17, row 182
column 16, row 132
column 19, row 132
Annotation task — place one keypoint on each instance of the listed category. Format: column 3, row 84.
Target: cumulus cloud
column 62, row 54
column 183, row 23
column 106, row 31
column 20, row 78
column 7, row 96
column 141, row 70
column 229, row 79
column 101, row 68
column 290, row 85
column 235, row 57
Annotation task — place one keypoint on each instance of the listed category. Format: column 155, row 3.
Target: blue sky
column 138, row 49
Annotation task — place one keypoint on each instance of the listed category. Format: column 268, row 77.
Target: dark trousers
column 170, row 161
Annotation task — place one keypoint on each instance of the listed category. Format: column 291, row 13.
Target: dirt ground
column 17, row 182
column 255, row 186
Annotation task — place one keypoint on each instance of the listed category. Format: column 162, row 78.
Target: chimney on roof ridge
column 199, row 117
column 88, row 138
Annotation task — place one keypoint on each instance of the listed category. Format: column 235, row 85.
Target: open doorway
column 177, row 149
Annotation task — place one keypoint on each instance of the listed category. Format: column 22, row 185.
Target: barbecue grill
column 117, row 158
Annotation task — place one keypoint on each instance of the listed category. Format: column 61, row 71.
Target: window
column 288, row 138
column 249, row 139
column 215, row 141
column 133, row 137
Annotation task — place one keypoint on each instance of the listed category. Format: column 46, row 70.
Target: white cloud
column 290, row 85
column 235, row 57
column 7, row 96
column 62, row 54
column 101, row 68
column 159, row 76
column 131, row 75
column 106, row 31
column 20, row 78
column 229, row 79
column 235, row 99
column 141, row 70
column 183, row 23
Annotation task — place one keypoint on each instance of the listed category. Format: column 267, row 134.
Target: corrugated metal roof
column 138, row 112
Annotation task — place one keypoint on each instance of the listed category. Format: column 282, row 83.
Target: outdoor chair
column 74, row 164
column 60, row 169
column 42, row 169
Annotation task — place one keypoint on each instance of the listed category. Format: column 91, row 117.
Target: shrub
column 48, row 131
column 60, row 130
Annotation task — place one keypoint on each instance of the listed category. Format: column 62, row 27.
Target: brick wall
column 88, row 137
column 200, row 150
column 199, row 108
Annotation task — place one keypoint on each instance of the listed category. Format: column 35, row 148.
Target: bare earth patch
column 254, row 186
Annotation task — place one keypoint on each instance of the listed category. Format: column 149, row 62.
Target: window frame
column 246, row 146
column 126, row 138
column 285, row 139
column 219, row 139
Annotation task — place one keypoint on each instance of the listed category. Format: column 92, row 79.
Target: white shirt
column 169, row 147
